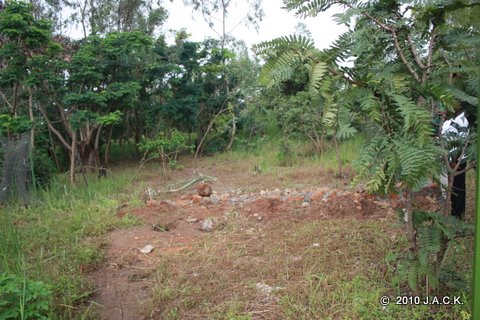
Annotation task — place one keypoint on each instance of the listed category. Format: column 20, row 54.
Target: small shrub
column 285, row 156
column 43, row 166
column 23, row 299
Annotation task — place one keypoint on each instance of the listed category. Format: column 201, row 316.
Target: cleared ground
column 287, row 243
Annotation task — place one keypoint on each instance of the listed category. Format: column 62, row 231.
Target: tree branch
column 393, row 32
column 52, row 129
column 60, row 110
column 369, row 16
column 402, row 56
column 468, row 167
column 351, row 81
column 9, row 105
column 428, row 68
column 414, row 51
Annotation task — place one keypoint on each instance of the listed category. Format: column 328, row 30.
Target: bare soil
column 173, row 225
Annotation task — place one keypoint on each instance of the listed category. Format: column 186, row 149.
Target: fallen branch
column 201, row 177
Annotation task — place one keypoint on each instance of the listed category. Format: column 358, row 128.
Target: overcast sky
column 276, row 23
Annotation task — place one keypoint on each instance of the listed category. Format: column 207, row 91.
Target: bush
column 43, row 166
column 23, row 299
column 285, row 155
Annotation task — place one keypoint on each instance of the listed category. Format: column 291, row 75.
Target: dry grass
column 342, row 278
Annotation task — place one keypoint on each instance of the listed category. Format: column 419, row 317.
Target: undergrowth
column 58, row 238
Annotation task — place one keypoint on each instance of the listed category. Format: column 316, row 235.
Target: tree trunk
column 447, row 208
column 52, row 150
column 210, row 125
column 73, row 157
column 96, row 148
column 409, row 215
column 107, row 147
column 32, row 118
column 232, row 135
column 337, row 151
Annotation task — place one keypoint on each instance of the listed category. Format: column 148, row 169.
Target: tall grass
column 59, row 236
column 10, row 247
column 266, row 153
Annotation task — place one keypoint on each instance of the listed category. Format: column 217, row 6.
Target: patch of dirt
column 124, row 280
column 174, row 226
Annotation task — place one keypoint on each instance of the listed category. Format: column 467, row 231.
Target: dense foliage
column 398, row 65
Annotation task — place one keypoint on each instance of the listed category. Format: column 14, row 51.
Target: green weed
column 58, row 237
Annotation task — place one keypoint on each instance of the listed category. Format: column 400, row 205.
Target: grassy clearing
column 342, row 278
column 266, row 154
column 60, row 236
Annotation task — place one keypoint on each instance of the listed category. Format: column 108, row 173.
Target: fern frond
column 308, row 8
column 295, row 41
column 317, row 72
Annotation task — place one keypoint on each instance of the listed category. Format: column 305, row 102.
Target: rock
column 215, row 199
column 147, row 249
column 295, row 199
column 191, row 220
column 305, row 205
column 196, row 199
column 267, row 291
column 317, row 196
column 274, row 199
column 207, row 200
column 327, row 195
column 307, row 197
column 204, row 189
column 207, row 225
column 276, row 193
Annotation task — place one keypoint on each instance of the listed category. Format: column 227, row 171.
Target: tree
column 217, row 12
column 216, row 15
column 295, row 64
column 403, row 75
column 104, row 80
column 101, row 16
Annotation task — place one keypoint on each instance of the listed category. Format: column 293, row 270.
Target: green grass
column 59, row 237
column 266, row 153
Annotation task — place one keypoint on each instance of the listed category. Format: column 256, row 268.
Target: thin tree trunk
column 409, row 214
column 447, row 208
column 73, row 157
column 15, row 96
column 52, row 147
column 200, row 145
column 97, row 148
column 107, row 148
column 232, row 135
column 32, row 118
column 337, row 151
